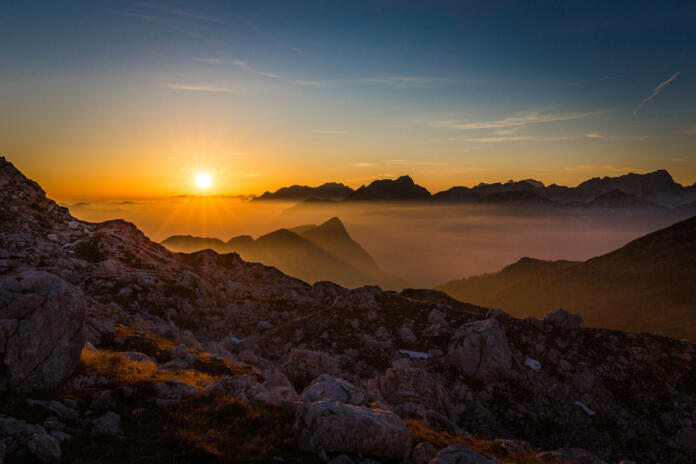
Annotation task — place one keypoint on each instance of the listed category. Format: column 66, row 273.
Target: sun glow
column 203, row 181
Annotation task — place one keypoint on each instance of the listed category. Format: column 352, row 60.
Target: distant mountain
column 646, row 285
column 628, row 191
column 401, row 189
column 327, row 191
column 310, row 252
column 617, row 199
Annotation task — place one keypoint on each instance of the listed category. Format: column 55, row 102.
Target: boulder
column 462, row 454
column 107, row 424
column 41, row 331
column 327, row 387
column 413, row 385
column 334, row 427
column 307, row 363
column 31, row 438
column 480, row 349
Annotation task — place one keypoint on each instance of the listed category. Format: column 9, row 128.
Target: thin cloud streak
column 656, row 91
column 513, row 121
column 197, row 88
column 246, row 67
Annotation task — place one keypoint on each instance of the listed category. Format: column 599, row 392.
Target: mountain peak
column 401, row 189
column 333, row 224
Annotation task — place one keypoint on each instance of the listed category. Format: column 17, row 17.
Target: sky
column 136, row 99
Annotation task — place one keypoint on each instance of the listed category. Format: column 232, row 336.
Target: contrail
column 655, row 92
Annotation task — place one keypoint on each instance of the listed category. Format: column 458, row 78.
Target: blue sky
column 272, row 92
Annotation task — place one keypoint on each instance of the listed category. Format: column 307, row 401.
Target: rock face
column 335, row 427
column 480, row 350
column 413, row 386
column 41, row 330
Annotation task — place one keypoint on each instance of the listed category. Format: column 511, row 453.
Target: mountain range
column 652, row 190
column 646, row 285
column 309, row 252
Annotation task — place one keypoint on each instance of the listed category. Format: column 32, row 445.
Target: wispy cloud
column 656, row 91
column 524, row 138
column 208, row 60
column 329, row 132
column 679, row 160
column 362, row 165
column 310, row 83
column 404, row 80
column 512, row 121
column 197, row 88
column 253, row 174
column 182, row 13
column 279, row 43
column 691, row 130
column 246, row 67
column 593, row 135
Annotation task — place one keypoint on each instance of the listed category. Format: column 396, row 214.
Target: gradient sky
column 133, row 99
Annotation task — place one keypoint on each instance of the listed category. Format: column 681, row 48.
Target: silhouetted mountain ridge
column 651, row 190
column 646, row 285
column 309, row 252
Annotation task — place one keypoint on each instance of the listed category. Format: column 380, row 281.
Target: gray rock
column 480, row 349
column 107, row 424
column 327, row 387
column 422, row 453
column 173, row 390
column 41, row 331
column 462, row 454
column 413, row 385
column 407, row 336
column 306, row 363
column 56, row 407
column 336, row 427
column 44, row 447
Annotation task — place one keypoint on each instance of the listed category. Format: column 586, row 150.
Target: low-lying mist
column 423, row 244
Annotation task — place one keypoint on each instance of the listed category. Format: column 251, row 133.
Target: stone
column 336, row 427
column 173, row 390
column 107, row 424
column 407, row 336
column 45, row 448
column 422, row 453
column 328, row 387
column 480, row 350
column 414, row 385
column 462, row 454
column 41, row 331
column 306, row 363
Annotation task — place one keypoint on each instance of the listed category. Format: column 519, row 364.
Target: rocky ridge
column 206, row 358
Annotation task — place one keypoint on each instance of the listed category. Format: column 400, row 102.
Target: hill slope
column 310, row 252
column 646, row 285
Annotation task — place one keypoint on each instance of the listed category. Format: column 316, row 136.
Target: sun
column 203, row 181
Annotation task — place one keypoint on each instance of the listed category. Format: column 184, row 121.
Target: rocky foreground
column 114, row 349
